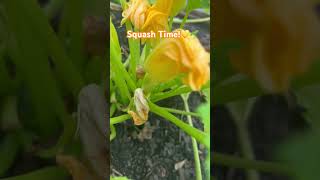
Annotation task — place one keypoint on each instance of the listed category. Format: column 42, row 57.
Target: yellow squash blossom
column 157, row 16
column 136, row 12
column 279, row 38
column 183, row 55
column 155, row 21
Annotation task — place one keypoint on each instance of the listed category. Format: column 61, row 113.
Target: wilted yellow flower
column 279, row 38
column 183, row 55
column 136, row 12
column 140, row 115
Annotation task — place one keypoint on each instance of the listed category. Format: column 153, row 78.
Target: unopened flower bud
column 140, row 72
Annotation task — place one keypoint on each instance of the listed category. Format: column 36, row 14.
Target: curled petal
column 140, row 115
column 184, row 55
column 136, row 12
column 155, row 21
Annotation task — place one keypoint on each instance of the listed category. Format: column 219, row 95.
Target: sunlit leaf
column 302, row 154
column 309, row 98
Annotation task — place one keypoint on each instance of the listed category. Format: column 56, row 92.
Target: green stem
column 119, row 81
column 113, row 132
column 242, row 163
column 147, row 52
column 75, row 16
column 199, row 20
column 184, row 20
column 170, row 23
column 160, row 96
column 197, row 134
column 113, row 109
column 167, row 85
column 240, row 111
column 134, row 46
column 176, row 111
column 115, row 57
column 174, row 92
column 119, row 119
column 124, row 73
column 9, row 148
column 194, row 142
column 53, row 7
column 247, row 151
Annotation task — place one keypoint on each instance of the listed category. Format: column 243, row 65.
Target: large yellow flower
column 136, row 12
column 279, row 38
column 183, row 55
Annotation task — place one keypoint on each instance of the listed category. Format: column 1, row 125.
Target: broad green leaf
column 309, row 98
column 302, row 154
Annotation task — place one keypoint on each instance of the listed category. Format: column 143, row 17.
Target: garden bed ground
column 271, row 122
column 155, row 158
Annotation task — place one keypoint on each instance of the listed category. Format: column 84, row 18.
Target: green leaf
column 196, row 133
column 48, row 173
column 118, row 178
column 195, row 4
column 96, row 7
column 27, row 54
column 302, row 154
column 204, row 111
column 8, row 151
column 117, row 70
column 309, row 98
column 75, row 16
column 114, row 42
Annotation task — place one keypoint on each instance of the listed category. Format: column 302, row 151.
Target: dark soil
column 155, row 158
column 271, row 122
